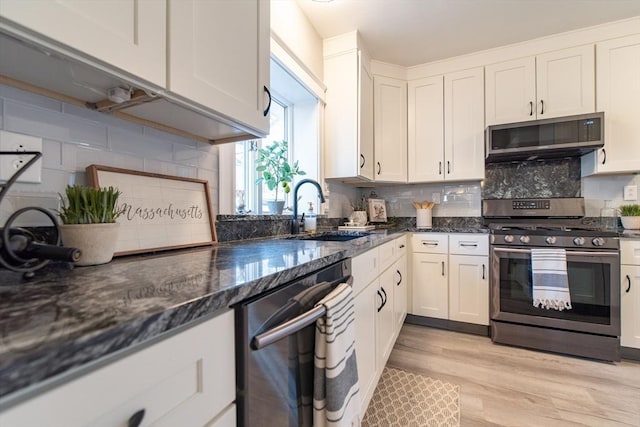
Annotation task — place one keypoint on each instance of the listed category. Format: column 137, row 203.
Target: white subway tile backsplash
column 12, row 203
column 37, row 121
column 8, row 92
column 75, row 137
column 51, row 154
column 125, row 141
column 176, row 139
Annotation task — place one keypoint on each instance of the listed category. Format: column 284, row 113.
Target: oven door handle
column 569, row 252
column 292, row 326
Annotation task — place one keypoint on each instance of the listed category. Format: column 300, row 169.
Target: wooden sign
column 160, row 212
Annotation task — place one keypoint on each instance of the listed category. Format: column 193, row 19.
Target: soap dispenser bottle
column 310, row 219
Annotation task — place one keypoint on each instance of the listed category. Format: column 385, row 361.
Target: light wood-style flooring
column 509, row 386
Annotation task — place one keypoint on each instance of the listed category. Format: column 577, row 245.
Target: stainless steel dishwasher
column 275, row 338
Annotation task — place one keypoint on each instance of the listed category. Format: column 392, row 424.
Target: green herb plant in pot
column 630, row 216
column 275, row 171
column 89, row 222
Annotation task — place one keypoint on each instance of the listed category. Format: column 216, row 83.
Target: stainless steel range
column 591, row 327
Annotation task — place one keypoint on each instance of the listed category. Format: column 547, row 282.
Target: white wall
column 292, row 27
column 75, row 137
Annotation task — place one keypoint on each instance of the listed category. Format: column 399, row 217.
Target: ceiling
column 412, row 32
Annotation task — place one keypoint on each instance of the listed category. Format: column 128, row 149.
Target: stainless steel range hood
column 543, row 139
column 48, row 72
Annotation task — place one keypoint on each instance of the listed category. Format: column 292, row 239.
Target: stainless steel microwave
column 548, row 138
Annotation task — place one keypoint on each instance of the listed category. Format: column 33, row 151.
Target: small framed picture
column 377, row 210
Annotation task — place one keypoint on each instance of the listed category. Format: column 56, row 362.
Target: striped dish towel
column 550, row 283
column 335, row 397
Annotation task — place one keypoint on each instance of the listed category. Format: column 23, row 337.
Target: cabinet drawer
column 186, row 379
column 386, row 254
column 400, row 247
column 364, row 268
column 433, row 243
column 630, row 252
column 469, row 244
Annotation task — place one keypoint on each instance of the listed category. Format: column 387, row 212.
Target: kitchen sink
column 332, row 236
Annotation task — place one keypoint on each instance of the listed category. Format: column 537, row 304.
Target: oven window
column 589, row 286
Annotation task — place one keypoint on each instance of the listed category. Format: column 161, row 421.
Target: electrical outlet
column 9, row 164
column 435, row 198
column 630, row 192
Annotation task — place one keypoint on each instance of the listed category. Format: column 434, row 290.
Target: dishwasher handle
column 292, row 326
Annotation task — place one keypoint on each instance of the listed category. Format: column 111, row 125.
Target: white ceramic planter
column 359, row 218
column 631, row 222
column 97, row 242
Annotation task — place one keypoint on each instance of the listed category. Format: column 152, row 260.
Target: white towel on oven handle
column 550, row 282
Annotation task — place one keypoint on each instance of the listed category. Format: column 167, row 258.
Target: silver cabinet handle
column 439, row 168
column 400, row 280
column 443, row 268
column 531, row 108
column 629, row 285
column 469, row 245
column 483, row 268
column 541, row 106
column 429, row 244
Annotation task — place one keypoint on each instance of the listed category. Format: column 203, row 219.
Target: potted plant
column 630, row 216
column 275, row 170
column 89, row 222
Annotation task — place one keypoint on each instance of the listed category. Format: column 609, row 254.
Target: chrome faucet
column 295, row 224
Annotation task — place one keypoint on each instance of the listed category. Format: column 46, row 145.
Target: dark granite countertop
column 65, row 317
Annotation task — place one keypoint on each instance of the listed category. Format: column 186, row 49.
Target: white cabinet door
column 390, row 129
column 128, row 34
column 385, row 322
column 510, row 91
column 430, row 286
column 618, row 85
column 219, row 57
column 554, row 84
column 464, row 125
column 348, row 116
column 469, row 289
column 366, row 304
column 365, row 108
column 400, row 292
column 566, row 82
column 187, row 379
column 425, row 134
column 630, row 306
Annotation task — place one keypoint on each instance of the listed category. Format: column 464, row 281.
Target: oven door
column 594, row 286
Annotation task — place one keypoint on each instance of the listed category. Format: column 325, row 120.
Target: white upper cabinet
column 554, row 84
column 618, row 86
column 425, row 135
column 128, row 34
column 348, row 116
column 390, row 129
column 511, row 91
column 446, row 127
column 219, row 59
column 464, row 125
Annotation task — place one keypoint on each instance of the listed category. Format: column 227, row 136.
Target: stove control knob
column 551, row 240
column 508, row 238
column 524, row 239
column 578, row 241
column 598, row 241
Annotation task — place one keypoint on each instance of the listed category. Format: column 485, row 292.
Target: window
column 294, row 118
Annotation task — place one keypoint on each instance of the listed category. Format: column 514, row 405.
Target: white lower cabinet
column 379, row 306
column 630, row 293
column 450, row 277
column 185, row 380
column 469, row 289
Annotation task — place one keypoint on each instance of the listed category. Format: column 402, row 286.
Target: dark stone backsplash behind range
column 544, row 178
